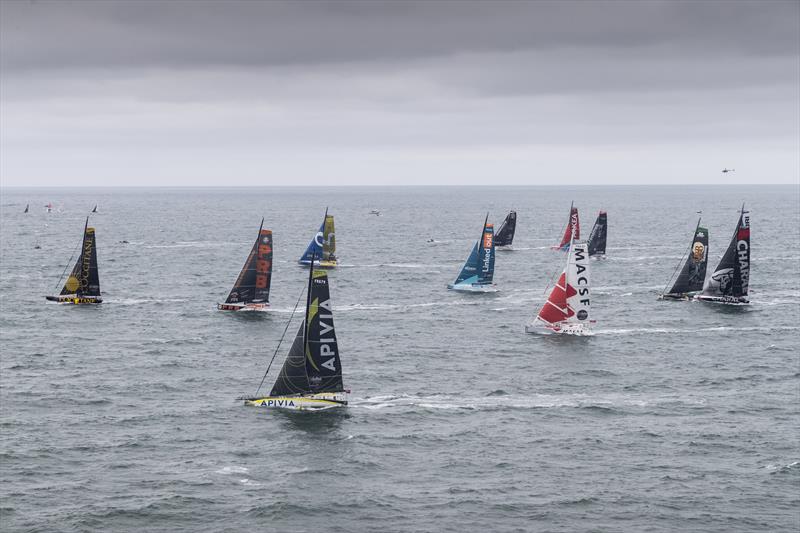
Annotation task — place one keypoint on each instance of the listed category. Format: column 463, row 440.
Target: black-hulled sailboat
column 27, row 207
column 567, row 309
column 478, row 272
column 94, row 209
column 693, row 274
column 597, row 238
column 322, row 246
column 251, row 290
column 572, row 231
column 729, row 283
column 311, row 377
column 504, row 238
column 83, row 283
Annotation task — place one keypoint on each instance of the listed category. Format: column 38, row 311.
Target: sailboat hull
column 730, row 300
column 472, row 287
column 563, row 328
column 675, row 297
column 74, row 300
column 311, row 402
column 504, row 248
column 244, row 307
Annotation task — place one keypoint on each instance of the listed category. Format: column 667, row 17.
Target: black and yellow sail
column 83, row 283
column 313, row 364
column 253, row 284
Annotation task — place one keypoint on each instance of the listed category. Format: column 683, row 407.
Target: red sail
column 555, row 308
column 573, row 221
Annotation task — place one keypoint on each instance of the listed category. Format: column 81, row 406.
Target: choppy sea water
column 675, row 416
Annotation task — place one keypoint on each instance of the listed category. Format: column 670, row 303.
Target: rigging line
column 69, row 262
column 288, row 322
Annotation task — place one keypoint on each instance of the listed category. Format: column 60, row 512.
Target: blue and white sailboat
column 322, row 246
column 477, row 273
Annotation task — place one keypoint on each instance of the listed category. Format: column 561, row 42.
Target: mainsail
column 84, row 279
column 730, row 280
column 313, row 365
column 253, row 283
column 479, row 267
column 27, row 206
column 569, row 301
column 323, row 245
column 505, row 235
column 573, row 229
column 693, row 273
column 597, row 238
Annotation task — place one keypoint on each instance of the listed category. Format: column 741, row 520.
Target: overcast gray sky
column 388, row 93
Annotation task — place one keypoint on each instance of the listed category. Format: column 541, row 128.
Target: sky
column 205, row 93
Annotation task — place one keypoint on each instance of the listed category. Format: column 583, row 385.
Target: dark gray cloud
column 221, row 90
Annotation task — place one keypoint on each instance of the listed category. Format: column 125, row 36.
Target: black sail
column 693, row 273
column 84, row 279
column 293, row 378
column 505, row 235
column 597, row 238
column 323, row 365
column 732, row 275
column 253, row 283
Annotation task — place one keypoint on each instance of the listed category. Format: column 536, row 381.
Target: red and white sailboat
column 567, row 309
column 572, row 231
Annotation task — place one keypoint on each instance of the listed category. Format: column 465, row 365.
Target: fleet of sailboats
column 478, row 271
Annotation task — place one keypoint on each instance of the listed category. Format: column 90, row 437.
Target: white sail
column 578, row 283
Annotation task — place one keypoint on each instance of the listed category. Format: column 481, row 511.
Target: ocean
column 673, row 416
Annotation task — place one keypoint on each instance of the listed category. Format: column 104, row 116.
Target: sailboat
column 83, row 283
column 566, row 310
column 693, row 273
column 597, row 238
column 322, row 246
column 311, row 377
column 504, row 237
column 27, row 206
column 251, row 290
column 729, row 283
column 94, row 210
column 49, row 206
column 477, row 273
column 573, row 229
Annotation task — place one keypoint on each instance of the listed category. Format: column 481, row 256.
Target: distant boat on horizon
column 250, row 292
column 27, row 206
column 478, row 271
column 83, row 283
column 94, row 210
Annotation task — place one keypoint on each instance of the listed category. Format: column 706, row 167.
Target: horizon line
column 421, row 185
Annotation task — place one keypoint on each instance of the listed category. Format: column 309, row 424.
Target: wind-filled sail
column 597, row 238
column 84, row 279
column 569, row 300
column 253, row 283
column 27, row 206
column 732, row 275
column 505, row 235
column 693, row 273
column 323, row 245
column 313, row 364
column 573, row 224
column 479, row 268
column 94, row 210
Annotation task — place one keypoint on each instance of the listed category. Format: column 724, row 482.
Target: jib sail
column 505, row 235
column 573, row 225
column 84, row 279
column 313, row 364
column 693, row 273
column 253, row 283
column 479, row 267
column 732, row 275
column 597, row 238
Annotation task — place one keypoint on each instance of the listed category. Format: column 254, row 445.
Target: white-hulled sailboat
column 730, row 281
column 251, row 290
column 311, row 377
column 566, row 310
